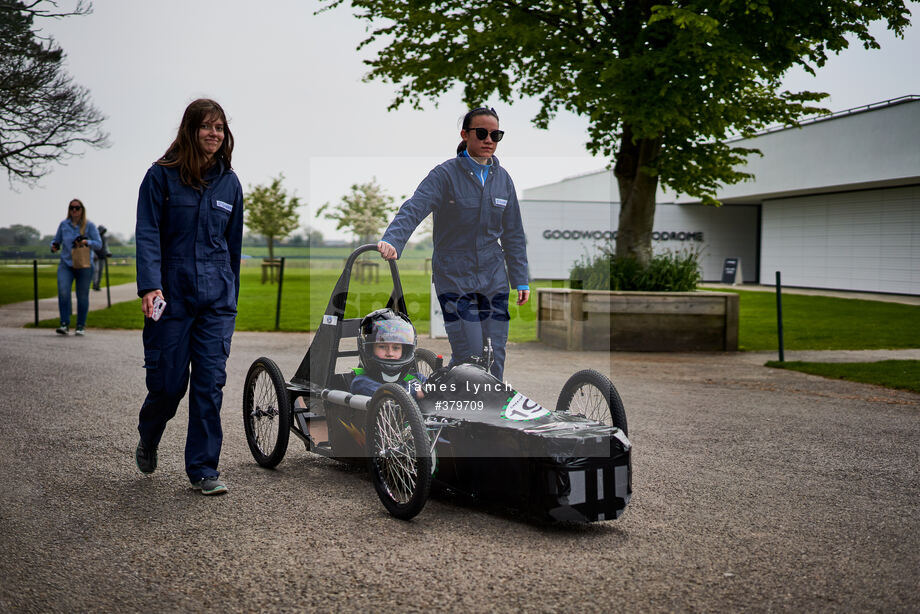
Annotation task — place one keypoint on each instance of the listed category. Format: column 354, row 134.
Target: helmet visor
column 392, row 331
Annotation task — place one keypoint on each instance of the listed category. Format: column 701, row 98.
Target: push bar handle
column 370, row 247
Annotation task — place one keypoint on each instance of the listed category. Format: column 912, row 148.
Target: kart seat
column 351, row 327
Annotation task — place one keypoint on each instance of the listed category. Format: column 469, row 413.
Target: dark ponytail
column 468, row 119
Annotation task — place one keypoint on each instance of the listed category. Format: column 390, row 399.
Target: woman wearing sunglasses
column 479, row 247
column 75, row 231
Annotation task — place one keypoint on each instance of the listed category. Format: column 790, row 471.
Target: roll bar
column 318, row 366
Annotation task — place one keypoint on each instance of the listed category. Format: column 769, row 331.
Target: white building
column 834, row 204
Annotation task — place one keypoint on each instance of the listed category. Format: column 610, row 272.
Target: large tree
column 271, row 212
column 44, row 116
column 365, row 210
column 664, row 85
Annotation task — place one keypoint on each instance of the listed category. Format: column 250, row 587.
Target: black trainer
column 145, row 458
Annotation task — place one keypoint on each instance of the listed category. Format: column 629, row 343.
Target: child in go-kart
column 386, row 346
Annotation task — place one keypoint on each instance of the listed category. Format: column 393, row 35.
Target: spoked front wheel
column 591, row 394
column 399, row 451
column 266, row 412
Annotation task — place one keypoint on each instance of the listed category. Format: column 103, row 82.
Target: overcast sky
column 290, row 82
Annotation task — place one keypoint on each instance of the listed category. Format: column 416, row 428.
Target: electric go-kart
column 471, row 433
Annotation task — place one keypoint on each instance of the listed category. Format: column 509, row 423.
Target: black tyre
column 425, row 362
column 592, row 395
column 398, row 451
column 266, row 412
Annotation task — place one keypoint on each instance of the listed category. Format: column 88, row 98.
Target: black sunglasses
column 482, row 133
column 77, row 208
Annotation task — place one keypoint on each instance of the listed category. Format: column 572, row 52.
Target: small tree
column 366, row 211
column 44, row 116
column 271, row 213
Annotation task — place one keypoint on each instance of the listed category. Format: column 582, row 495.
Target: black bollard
column 280, row 282
column 108, row 291
column 779, row 315
column 35, row 287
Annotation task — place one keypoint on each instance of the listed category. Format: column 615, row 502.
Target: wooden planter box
column 637, row 321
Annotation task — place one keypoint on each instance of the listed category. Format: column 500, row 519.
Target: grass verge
column 900, row 374
column 305, row 295
column 825, row 323
column 17, row 283
column 810, row 322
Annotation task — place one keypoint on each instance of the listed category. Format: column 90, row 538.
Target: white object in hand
column 159, row 306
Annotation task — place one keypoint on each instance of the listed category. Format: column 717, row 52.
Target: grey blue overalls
column 189, row 245
column 479, row 251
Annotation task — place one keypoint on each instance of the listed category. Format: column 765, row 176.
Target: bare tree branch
column 45, row 117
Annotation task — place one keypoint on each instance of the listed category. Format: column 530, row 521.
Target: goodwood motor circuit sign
column 611, row 235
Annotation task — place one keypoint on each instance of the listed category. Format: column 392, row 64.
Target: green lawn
column 826, row 323
column 305, row 294
column 17, row 283
column 810, row 322
column 900, row 374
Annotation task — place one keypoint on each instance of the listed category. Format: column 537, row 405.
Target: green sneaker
column 80, row 331
column 210, row 486
column 63, row 329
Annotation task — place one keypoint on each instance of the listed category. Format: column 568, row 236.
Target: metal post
column 779, row 315
column 35, row 287
column 280, row 282
column 108, row 291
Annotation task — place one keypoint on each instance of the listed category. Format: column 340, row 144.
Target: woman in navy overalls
column 479, row 247
column 189, row 238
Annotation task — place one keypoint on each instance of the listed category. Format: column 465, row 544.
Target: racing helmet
column 386, row 326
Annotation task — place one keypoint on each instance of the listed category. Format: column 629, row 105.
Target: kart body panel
column 550, row 464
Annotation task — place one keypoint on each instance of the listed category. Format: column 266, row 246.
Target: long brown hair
column 82, row 214
column 185, row 152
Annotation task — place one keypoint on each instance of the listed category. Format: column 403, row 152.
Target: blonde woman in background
column 72, row 232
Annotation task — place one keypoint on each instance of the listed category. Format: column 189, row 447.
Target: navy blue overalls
column 188, row 245
column 477, row 234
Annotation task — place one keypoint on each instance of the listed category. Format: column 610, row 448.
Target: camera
column 76, row 242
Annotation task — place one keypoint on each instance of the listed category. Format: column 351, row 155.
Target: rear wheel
column 591, row 394
column 266, row 412
column 399, row 451
column 425, row 362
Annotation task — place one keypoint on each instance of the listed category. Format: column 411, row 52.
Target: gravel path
column 754, row 489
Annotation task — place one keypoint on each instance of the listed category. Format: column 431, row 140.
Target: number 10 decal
column 520, row 408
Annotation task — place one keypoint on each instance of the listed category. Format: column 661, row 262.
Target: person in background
column 74, row 231
column 189, row 237
column 479, row 244
column 102, row 254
